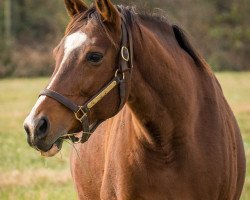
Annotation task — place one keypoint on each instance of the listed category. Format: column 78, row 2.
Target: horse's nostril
column 42, row 127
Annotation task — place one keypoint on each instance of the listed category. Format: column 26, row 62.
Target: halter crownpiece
column 81, row 112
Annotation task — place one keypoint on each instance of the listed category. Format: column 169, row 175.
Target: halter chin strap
column 81, row 112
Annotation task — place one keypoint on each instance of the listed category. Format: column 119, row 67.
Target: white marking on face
column 71, row 43
column 30, row 120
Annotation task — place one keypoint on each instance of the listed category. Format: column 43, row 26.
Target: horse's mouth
column 57, row 145
column 55, row 148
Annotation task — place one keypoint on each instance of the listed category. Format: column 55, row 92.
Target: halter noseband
column 81, row 112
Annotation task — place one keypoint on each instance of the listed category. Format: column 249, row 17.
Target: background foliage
column 30, row 29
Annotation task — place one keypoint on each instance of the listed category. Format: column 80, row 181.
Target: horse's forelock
column 79, row 20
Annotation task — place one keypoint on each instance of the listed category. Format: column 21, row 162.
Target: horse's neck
column 164, row 86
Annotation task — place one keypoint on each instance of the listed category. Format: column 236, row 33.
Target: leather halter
column 81, row 112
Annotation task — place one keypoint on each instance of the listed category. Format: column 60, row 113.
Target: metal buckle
column 125, row 53
column 117, row 74
column 80, row 114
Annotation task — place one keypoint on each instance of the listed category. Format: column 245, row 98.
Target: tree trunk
column 7, row 22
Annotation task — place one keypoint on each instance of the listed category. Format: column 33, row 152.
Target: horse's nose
column 41, row 128
column 38, row 129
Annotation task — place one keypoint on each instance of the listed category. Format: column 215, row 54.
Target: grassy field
column 24, row 175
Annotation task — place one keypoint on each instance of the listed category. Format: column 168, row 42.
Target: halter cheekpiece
column 81, row 112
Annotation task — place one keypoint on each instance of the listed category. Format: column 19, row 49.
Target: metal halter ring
column 125, row 53
column 80, row 114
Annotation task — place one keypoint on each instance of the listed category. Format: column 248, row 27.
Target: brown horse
column 167, row 131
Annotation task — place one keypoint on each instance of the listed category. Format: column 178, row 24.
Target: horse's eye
column 94, row 57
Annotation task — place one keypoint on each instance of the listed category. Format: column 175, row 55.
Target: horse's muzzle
column 37, row 130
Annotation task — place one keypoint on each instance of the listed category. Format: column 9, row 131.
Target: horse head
column 90, row 77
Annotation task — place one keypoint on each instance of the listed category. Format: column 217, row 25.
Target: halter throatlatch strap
column 81, row 112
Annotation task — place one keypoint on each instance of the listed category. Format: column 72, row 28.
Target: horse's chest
column 110, row 176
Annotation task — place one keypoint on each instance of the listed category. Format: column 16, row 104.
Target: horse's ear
column 75, row 7
column 109, row 13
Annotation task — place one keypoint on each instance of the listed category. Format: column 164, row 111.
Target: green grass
column 24, row 175
column 236, row 87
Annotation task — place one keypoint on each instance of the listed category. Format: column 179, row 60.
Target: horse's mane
column 133, row 16
column 159, row 20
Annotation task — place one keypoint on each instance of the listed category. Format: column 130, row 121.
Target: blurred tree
column 230, row 31
column 7, row 22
